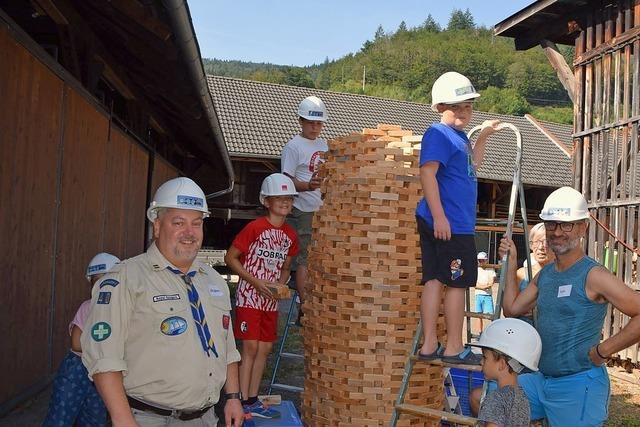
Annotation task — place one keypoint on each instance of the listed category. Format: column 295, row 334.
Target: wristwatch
column 230, row 396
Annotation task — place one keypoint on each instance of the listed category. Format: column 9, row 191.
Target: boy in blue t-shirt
column 446, row 215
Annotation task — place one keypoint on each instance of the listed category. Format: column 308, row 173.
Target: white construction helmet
column 565, row 205
column 451, row 88
column 277, row 184
column 482, row 255
column 312, row 108
column 100, row 264
column 178, row 193
column 514, row 338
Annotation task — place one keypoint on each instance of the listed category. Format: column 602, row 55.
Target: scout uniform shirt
column 141, row 323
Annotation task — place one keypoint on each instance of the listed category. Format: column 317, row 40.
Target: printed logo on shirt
column 456, row 270
column 316, row 159
column 244, row 327
column 109, row 282
column 225, row 321
column 215, row 291
column 173, row 326
column 160, row 298
column 564, row 291
column 100, row 331
column 104, row 298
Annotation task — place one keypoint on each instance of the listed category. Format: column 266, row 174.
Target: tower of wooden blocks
column 364, row 275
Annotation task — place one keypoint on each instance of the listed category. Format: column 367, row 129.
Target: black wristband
column 230, row 396
column 598, row 352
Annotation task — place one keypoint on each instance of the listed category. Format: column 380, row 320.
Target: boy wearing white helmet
column 484, row 285
column 261, row 255
column 74, row 397
column 571, row 295
column 301, row 157
column 446, row 215
column 509, row 346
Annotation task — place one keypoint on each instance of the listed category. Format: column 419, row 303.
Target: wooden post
column 560, row 65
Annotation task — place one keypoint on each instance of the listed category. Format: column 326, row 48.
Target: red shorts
column 254, row 324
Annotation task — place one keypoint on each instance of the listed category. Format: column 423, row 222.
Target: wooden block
column 280, row 291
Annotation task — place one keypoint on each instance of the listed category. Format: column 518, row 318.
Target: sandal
column 465, row 357
column 437, row 354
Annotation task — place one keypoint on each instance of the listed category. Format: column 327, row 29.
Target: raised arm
column 514, row 302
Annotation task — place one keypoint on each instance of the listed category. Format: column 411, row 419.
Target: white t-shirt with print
column 486, row 276
column 300, row 159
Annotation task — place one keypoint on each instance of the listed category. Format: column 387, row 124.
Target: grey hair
column 539, row 226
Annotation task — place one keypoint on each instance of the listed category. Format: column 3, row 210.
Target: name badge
column 215, row 291
column 564, row 291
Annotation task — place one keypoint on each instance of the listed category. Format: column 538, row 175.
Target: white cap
column 565, row 205
column 101, row 263
column 277, row 184
column 178, row 193
column 452, row 88
column 515, row 338
column 482, row 255
column 312, row 108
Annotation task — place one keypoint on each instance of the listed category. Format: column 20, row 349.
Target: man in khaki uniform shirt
column 159, row 342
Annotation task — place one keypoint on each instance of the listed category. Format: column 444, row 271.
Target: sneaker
column 260, row 410
column 465, row 357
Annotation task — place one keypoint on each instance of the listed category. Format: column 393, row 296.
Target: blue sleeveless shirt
column 569, row 323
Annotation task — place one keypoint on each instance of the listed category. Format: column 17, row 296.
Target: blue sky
column 306, row 32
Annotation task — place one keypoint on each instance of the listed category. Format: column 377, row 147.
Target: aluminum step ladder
column 273, row 385
column 453, row 413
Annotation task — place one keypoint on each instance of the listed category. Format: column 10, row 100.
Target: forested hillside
column 403, row 64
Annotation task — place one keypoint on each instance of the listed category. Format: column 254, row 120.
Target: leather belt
column 175, row 413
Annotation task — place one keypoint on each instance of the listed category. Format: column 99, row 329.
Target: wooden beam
column 550, row 136
column 565, row 75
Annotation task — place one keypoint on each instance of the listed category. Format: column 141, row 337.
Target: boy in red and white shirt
column 261, row 255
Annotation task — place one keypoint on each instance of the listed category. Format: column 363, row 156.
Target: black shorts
column 453, row 262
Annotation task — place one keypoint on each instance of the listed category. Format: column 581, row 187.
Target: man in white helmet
column 161, row 347
column 301, row 157
column 572, row 295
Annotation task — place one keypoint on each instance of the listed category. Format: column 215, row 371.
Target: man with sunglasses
column 572, row 296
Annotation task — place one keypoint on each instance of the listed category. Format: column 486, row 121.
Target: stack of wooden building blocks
column 364, row 275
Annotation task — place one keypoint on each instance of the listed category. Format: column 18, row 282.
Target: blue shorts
column 578, row 400
column 484, row 304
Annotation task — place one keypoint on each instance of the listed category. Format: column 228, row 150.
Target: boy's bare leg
column 429, row 311
column 453, row 319
column 260, row 361
column 249, row 354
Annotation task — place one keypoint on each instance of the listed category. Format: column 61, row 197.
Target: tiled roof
column 257, row 119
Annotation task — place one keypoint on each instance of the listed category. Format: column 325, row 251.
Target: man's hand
column 233, row 413
column 262, row 286
column 441, row 228
column 595, row 358
column 508, row 247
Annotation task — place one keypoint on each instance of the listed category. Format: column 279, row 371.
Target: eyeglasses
column 535, row 244
column 564, row 226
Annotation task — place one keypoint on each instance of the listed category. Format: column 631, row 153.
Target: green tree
column 431, row 25
column 460, row 20
column 502, row 101
column 379, row 35
column 296, row 76
column 402, row 28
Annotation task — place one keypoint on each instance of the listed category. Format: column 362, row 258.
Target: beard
column 563, row 248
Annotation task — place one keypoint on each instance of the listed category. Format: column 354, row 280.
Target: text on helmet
column 560, row 211
column 190, row 201
column 315, row 113
column 465, row 90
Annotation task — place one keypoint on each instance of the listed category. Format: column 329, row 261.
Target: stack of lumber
column 364, row 278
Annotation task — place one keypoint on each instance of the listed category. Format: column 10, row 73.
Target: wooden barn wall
column 72, row 185
column 607, row 117
column 162, row 171
column 28, row 174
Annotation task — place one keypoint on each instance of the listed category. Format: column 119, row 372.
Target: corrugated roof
column 257, row 119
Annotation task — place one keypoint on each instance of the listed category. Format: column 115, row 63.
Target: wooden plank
column 30, row 130
column 557, row 61
column 437, row 415
column 137, row 201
